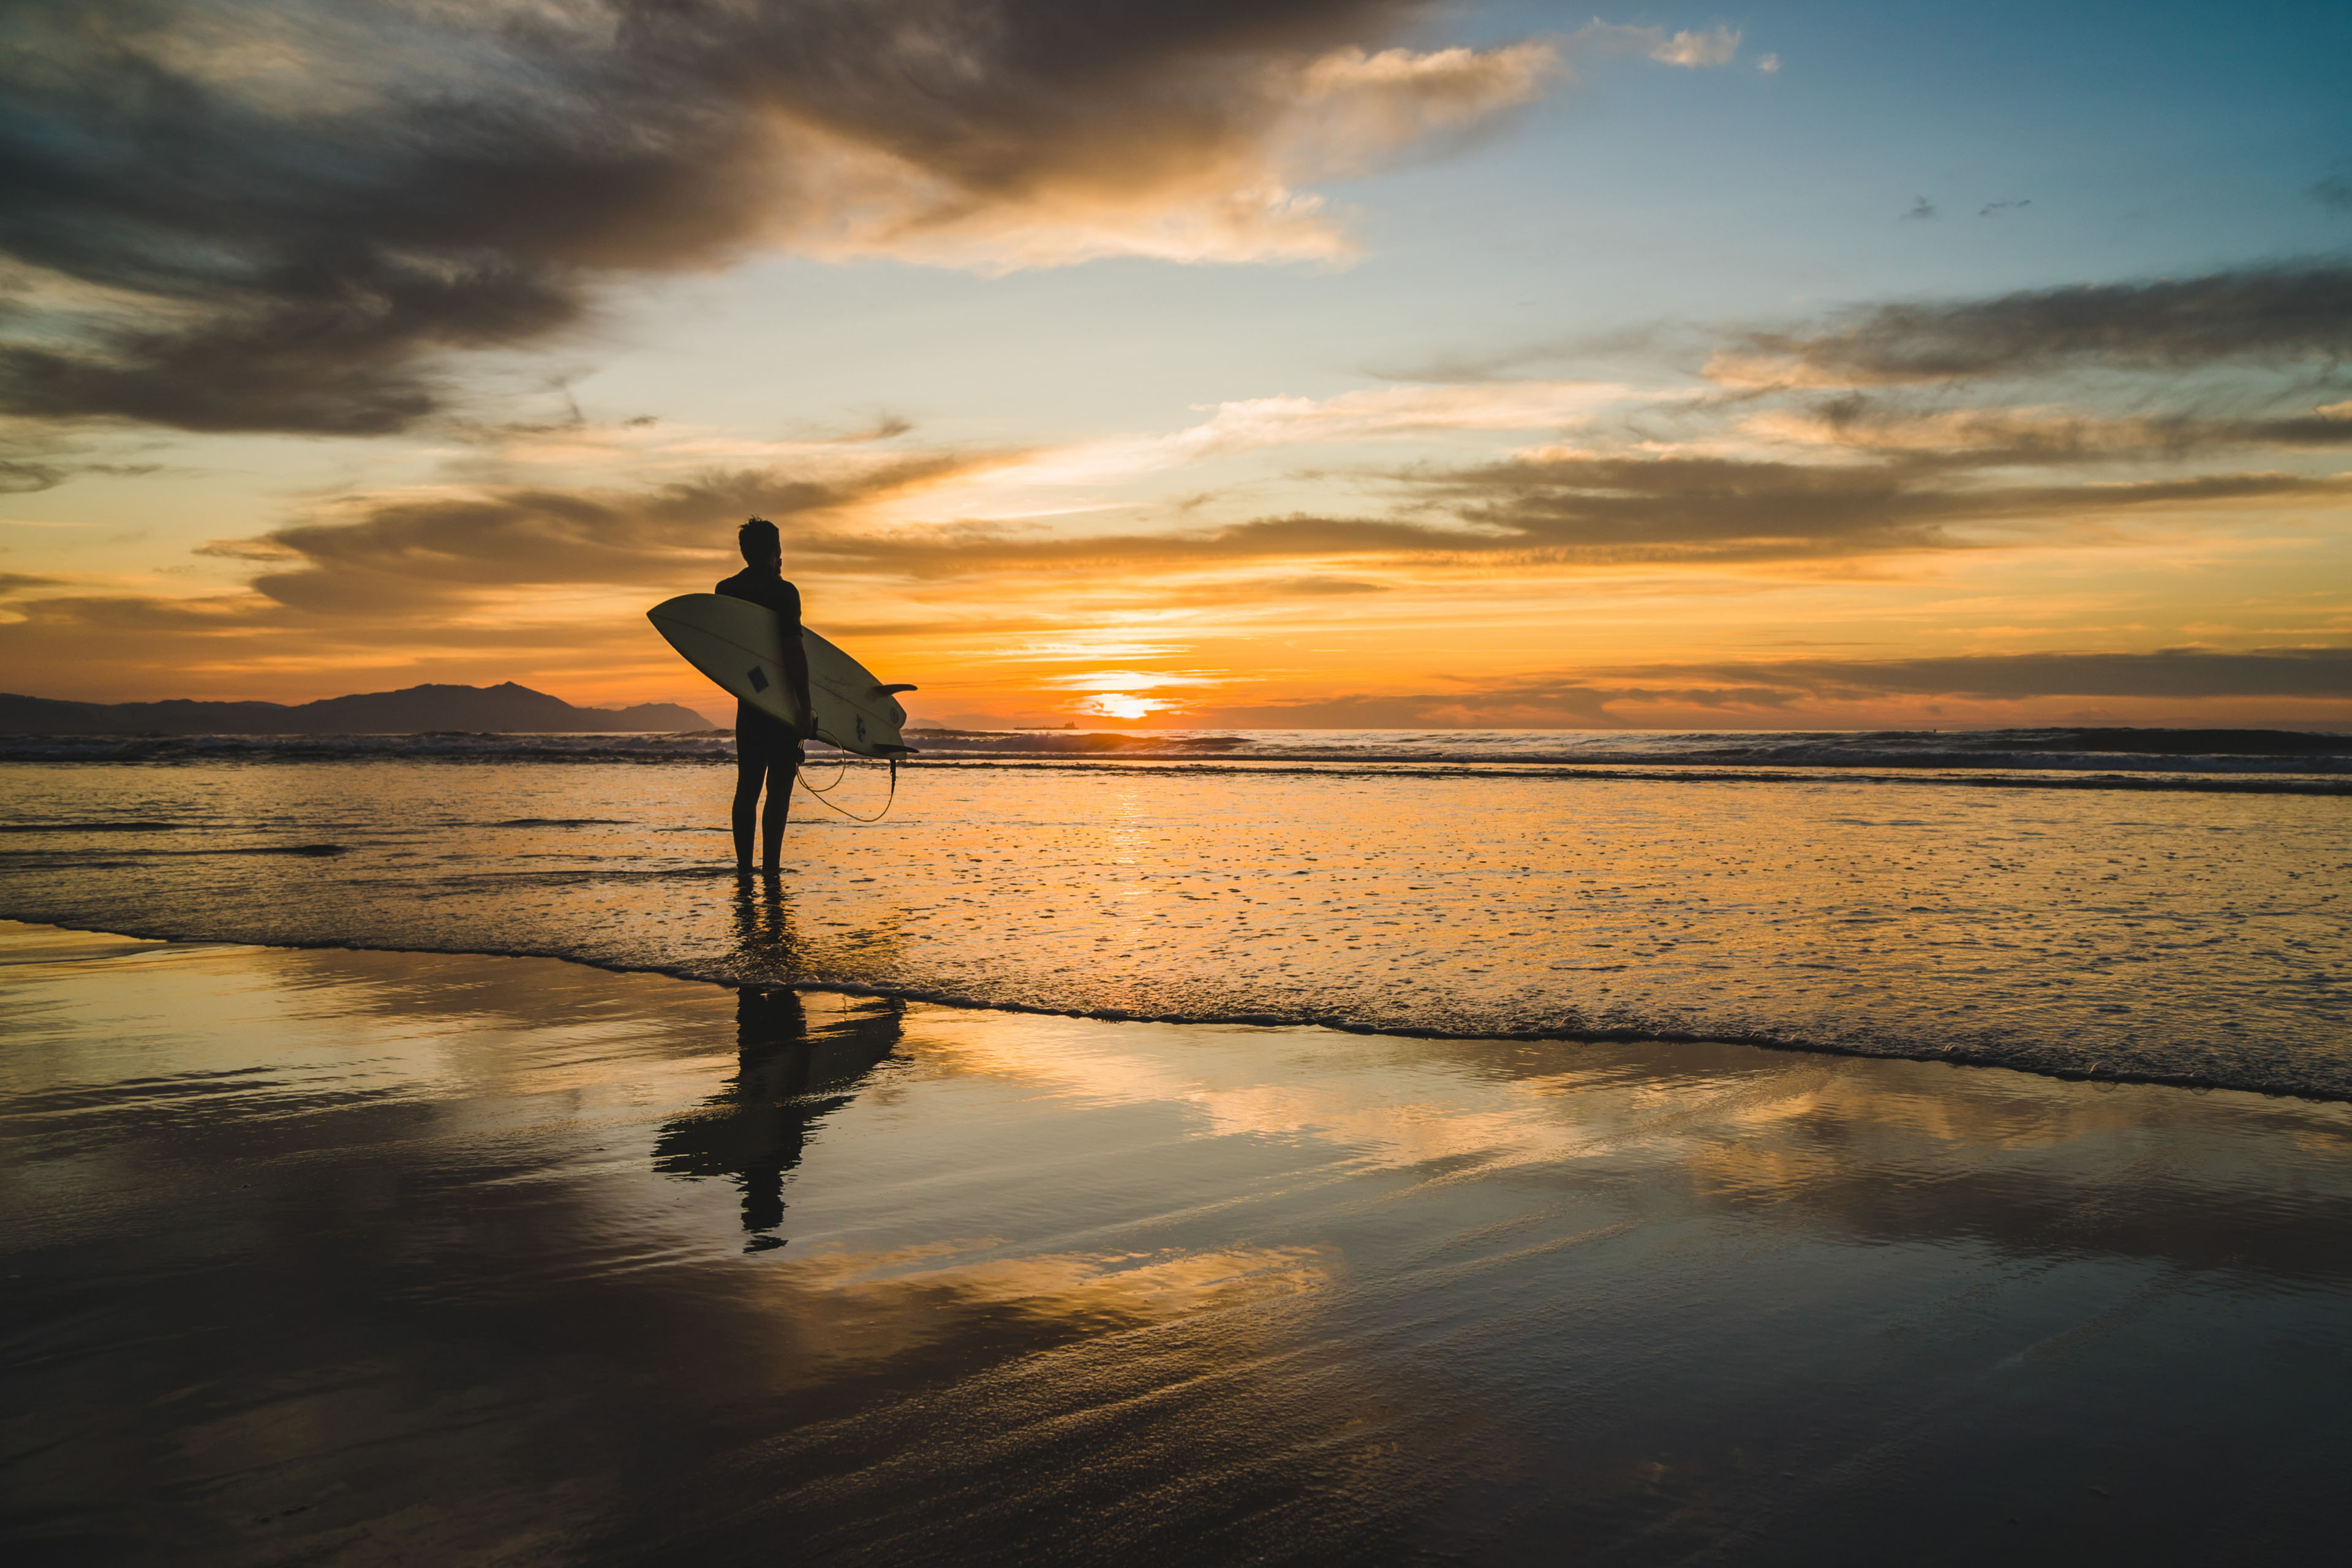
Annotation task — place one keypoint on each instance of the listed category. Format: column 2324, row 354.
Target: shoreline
column 1937, row 774
column 1262, row 1020
column 2183, row 938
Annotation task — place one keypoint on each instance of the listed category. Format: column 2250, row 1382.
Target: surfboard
column 736, row 644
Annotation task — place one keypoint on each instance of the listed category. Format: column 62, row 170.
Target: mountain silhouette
column 506, row 708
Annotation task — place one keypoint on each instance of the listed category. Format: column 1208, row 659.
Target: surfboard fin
column 889, row 691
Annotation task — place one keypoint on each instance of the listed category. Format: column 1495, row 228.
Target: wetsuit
column 767, row 751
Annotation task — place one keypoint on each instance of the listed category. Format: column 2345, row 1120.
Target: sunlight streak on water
column 2175, row 937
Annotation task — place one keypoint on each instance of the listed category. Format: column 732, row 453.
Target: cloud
column 1357, row 109
column 18, row 477
column 1036, row 485
column 292, row 217
column 1387, row 411
column 1895, row 486
column 1569, row 508
column 1557, row 508
column 1776, row 482
column 2042, row 437
column 2168, row 672
column 44, row 467
column 403, row 554
column 1777, row 692
column 1714, row 47
column 2264, row 315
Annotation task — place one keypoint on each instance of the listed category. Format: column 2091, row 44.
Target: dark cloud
column 2183, row 673
column 287, row 218
column 1562, row 706
column 1604, row 509
column 1899, row 429
column 1600, row 507
column 22, row 582
column 402, row 554
column 2170, row 672
column 2294, row 317
column 2261, row 314
column 1779, row 688
column 1535, row 705
column 18, row 477
column 1321, row 588
column 26, row 475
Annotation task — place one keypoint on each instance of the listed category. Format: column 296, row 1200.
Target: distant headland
column 504, row 708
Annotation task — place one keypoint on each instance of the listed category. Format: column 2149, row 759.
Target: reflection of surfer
column 765, row 941
column 787, row 1077
column 767, row 751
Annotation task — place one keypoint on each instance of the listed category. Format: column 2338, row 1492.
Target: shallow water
column 351, row 1257
column 2243, row 760
column 2173, row 936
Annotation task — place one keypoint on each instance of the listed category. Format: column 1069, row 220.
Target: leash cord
column 838, row 772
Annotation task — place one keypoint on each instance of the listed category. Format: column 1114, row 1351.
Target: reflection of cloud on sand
column 878, row 1305
column 1886, row 1151
column 1075, row 1291
column 1390, row 1104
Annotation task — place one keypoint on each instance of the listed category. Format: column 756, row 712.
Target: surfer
column 767, row 750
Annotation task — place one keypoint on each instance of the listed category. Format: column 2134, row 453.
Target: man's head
column 759, row 543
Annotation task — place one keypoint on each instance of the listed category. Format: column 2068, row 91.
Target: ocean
column 1284, row 1149
column 2162, row 906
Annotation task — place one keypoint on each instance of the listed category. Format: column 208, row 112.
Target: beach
column 361, row 1257
column 1326, row 781
column 1157, row 1162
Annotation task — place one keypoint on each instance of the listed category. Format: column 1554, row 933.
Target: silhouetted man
column 767, row 750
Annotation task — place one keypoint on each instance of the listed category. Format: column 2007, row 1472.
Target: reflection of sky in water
column 307, row 1237
column 2192, row 937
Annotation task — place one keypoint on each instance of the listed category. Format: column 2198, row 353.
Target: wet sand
column 330, row 1256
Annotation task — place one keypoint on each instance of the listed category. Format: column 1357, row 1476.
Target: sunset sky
column 1266, row 363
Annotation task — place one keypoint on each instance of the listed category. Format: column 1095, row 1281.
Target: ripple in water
column 2170, row 936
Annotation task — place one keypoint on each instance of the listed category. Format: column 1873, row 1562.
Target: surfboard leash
column 838, row 772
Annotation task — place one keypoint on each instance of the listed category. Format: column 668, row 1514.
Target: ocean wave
column 2015, row 1057
column 692, row 746
column 2113, row 751
column 2167, row 936
column 53, row 859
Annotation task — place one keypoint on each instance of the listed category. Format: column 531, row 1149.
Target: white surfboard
column 735, row 642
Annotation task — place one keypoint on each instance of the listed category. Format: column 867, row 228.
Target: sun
column 1123, row 705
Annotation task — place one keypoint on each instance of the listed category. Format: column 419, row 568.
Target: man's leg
column 784, row 766
column 750, row 771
